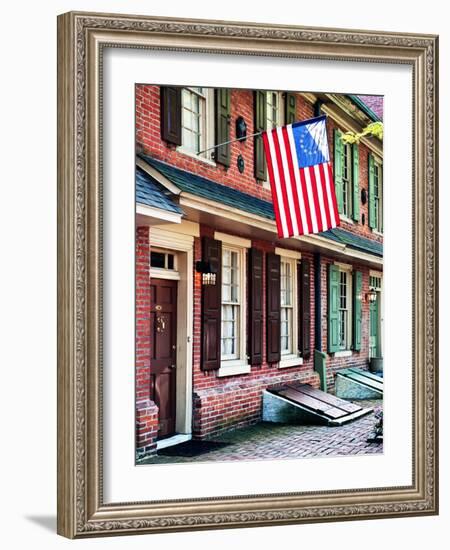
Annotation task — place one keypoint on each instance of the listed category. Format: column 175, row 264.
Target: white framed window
column 274, row 115
column 345, row 309
column 197, row 121
column 289, row 308
column 233, row 308
column 347, row 180
column 287, row 305
column 378, row 196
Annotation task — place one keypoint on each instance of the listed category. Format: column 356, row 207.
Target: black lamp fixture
column 208, row 274
column 241, row 129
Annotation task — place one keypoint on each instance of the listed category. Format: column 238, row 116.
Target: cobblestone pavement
column 271, row 441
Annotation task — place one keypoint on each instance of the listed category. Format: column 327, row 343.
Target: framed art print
column 247, row 274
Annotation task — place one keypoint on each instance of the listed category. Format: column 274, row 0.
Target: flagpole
column 228, row 142
column 242, row 138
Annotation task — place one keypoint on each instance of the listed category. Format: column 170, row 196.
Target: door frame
column 182, row 243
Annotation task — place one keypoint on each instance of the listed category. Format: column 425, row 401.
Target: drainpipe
column 320, row 358
column 317, row 302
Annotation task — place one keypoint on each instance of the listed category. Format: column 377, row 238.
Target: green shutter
column 357, row 310
column 333, row 308
column 291, row 104
column 260, row 126
column 371, row 192
column 223, row 115
column 355, row 213
column 338, row 167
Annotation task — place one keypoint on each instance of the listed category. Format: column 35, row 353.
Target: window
column 197, row 115
column 343, row 311
column 286, row 285
column 377, row 197
column 274, row 116
column 289, row 345
column 231, row 304
column 274, row 110
column 347, row 181
column 162, row 260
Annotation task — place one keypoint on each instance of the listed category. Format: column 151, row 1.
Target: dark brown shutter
column 260, row 125
column 223, row 114
column 273, row 308
column 171, row 114
column 304, row 317
column 255, row 306
column 211, row 306
column 290, row 108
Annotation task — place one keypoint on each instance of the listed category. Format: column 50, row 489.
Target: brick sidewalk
column 270, row 441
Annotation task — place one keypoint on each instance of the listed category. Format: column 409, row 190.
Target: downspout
column 320, row 358
column 317, row 302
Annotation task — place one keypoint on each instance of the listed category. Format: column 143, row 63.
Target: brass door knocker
column 160, row 324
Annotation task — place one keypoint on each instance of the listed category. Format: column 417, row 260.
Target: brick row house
column 224, row 308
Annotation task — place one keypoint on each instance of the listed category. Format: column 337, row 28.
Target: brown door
column 163, row 319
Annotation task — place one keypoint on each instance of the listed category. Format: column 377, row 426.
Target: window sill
column 344, row 218
column 233, row 368
column 290, row 361
column 344, row 353
column 209, row 162
column 376, row 232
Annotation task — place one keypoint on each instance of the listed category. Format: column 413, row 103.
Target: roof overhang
column 232, row 220
column 149, row 215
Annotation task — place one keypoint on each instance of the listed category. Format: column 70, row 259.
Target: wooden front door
column 163, row 319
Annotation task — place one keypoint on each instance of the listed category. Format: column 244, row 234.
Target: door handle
column 173, row 366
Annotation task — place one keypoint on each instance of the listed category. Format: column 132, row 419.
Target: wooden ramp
column 356, row 383
column 305, row 404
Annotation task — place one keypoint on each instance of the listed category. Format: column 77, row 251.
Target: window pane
column 157, row 259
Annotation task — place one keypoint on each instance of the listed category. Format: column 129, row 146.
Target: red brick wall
column 214, row 396
column 146, row 410
column 148, row 136
column 230, row 401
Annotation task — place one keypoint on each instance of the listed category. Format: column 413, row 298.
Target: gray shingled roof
column 202, row 187
column 151, row 193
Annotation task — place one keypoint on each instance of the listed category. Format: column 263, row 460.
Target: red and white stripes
column 304, row 199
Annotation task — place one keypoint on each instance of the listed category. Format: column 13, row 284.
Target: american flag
column 301, row 179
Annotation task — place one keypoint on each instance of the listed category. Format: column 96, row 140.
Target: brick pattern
column 146, row 410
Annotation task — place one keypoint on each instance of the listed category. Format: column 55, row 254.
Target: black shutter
column 260, row 125
column 304, row 318
column 273, row 308
column 211, row 307
column 223, row 114
column 255, row 306
column 171, row 114
column 290, row 108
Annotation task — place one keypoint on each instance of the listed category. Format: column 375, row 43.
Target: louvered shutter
column 355, row 213
column 357, row 310
column 223, row 113
column 260, row 108
column 304, row 324
column 171, row 114
column 333, row 308
column 255, row 306
column 211, row 307
column 290, row 108
column 273, row 308
column 338, row 168
column 372, row 220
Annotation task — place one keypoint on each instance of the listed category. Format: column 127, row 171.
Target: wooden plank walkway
column 316, row 401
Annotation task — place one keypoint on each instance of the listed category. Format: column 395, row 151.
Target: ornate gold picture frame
column 82, row 38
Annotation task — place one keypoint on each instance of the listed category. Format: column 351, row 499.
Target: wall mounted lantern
column 208, row 275
column 372, row 295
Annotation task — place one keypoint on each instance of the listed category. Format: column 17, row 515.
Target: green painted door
column 374, row 334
